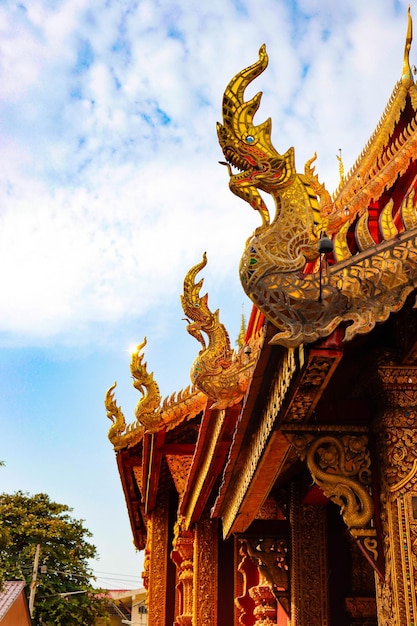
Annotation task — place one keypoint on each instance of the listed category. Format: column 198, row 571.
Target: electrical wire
column 117, row 574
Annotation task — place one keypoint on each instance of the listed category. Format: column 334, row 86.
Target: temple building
column 280, row 488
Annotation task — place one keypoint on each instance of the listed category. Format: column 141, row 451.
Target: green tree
column 63, row 566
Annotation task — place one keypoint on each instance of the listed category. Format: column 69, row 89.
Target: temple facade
column 280, row 488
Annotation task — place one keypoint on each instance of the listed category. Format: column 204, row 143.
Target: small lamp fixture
column 325, row 243
column 325, row 246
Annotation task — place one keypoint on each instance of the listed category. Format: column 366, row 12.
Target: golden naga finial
column 218, row 371
column 121, row 435
column 341, row 166
column 407, row 74
column 152, row 414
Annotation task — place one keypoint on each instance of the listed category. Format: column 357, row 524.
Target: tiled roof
column 11, row 591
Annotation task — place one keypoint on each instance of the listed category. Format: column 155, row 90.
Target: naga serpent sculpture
column 151, row 413
column 341, row 468
column 281, row 269
column 218, row 370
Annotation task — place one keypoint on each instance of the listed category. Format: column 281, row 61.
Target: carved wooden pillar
column 157, row 550
column 205, row 573
column 397, row 448
column 182, row 555
column 247, row 578
column 309, row 585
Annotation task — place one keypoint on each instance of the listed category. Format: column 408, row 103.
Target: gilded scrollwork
column 340, row 464
column 183, row 556
column 399, row 384
column 309, row 567
column 287, row 370
column 158, row 561
column 179, row 466
column 397, row 437
column 396, row 441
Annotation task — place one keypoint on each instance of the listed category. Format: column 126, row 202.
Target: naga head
column 248, row 147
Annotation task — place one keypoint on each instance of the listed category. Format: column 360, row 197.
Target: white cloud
column 110, row 188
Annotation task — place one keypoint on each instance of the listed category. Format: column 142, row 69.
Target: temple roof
column 219, row 443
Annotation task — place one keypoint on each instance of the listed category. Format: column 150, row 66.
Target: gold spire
column 241, row 338
column 407, row 74
column 341, row 166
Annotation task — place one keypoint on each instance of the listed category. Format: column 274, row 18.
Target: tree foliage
column 27, row 521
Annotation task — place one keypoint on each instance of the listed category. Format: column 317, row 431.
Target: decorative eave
column 219, row 424
column 208, row 461
column 287, row 385
column 387, row 153
column 129, row 467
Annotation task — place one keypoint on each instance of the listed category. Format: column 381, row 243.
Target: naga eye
column 250, row 139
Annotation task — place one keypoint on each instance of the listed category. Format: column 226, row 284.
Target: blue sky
column 110, row 190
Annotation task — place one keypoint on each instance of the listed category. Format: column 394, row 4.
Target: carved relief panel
column 156, row 566
column 397, row 445
column 309, row 570
column 205, row 573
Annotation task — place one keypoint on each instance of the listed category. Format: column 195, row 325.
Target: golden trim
column 205, row 604
column 281, row 385
column 151, row 412
column 406, row 560
column 219, row 417
column 402, row 483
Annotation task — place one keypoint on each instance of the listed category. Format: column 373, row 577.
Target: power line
column 122, row 581
column 118, row 575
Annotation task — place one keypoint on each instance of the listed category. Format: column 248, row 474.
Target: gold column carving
column 205, row 573
column 183, row 554
column 309, row 585
column 265, row 611
column 340, row 464
column 157, row 551
column 397, row 447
